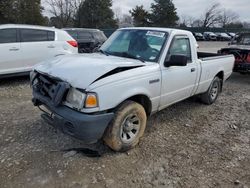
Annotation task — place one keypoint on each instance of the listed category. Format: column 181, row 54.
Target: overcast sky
column 190, row 7
column 193, row 8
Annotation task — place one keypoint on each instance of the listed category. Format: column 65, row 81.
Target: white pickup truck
column 109, row 94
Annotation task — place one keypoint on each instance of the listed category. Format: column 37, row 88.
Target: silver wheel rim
column 214, row 91
column 130, row 128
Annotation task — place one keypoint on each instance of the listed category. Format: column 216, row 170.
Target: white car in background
column 23, row 46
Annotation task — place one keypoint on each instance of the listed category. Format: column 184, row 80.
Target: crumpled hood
column 81, row 70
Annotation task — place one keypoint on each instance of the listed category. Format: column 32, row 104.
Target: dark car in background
column 240, row 48
column 198, row 36
column 210, row 36
column 88, row 39
column 232, row 35
column 223, row 37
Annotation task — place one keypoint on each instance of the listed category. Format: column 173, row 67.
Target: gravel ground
column 186, row 145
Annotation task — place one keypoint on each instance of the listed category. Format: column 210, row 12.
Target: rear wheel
column 213, row 92
column 127, row 127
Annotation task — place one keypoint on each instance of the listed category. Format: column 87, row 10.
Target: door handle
column 193, row 70
column 13, row 49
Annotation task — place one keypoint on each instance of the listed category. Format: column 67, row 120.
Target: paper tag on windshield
column 156, row 34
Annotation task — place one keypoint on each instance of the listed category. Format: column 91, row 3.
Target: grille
column 51, row 89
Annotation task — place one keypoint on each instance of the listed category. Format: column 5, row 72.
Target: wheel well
column 220, row 75
column 144, row 101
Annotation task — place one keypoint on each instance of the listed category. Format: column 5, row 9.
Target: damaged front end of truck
column 61, row 91
column 54, row 96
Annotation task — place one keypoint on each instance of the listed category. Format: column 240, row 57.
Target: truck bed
column 207, row 55
column 211, row 64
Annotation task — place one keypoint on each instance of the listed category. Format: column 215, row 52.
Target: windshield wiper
column 103, row 52
column 125, row 54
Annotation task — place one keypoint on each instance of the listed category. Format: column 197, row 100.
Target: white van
column 23, row 46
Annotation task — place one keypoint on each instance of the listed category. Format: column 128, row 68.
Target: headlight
column 76, row 98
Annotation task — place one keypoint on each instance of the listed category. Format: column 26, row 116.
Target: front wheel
column 127, row 127
column 213, row 92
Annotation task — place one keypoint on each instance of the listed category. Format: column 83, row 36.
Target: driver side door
column 178, row 82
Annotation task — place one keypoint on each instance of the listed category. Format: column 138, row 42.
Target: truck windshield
column 244, row 39
column 145, row 45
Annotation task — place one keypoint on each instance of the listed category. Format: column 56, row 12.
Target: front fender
column 111, row 95
column 115, row 89
column 111, row 98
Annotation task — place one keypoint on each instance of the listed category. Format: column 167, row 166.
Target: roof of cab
column 80, row 29
column 28, row 26
column 169, row 30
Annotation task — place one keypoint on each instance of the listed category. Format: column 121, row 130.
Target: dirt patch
column 186, row 145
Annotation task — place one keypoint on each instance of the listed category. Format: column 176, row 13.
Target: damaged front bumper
column 88, row 128
column 50, row 93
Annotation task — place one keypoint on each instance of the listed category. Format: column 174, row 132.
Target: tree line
column 82, row 13
column 99, row 14
column 22, row 12
column 214, row 16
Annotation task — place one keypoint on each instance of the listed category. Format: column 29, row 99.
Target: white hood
column 81, row 70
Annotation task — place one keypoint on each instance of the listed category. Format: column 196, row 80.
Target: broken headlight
column 33, row 78
column 75, row 98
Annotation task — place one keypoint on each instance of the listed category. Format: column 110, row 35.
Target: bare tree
column 227, row 17
column 126, row 21
column 187, row 21
column 197, row 23
column 246, row 25
column 64, row 11
column 118, row 13
column 212, row 15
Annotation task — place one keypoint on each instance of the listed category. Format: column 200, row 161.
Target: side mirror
column 176, row 60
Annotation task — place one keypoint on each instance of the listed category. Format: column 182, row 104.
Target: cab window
column 180, row 46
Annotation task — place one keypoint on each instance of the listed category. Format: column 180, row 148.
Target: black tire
column 117, row 136
column 213, row 92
